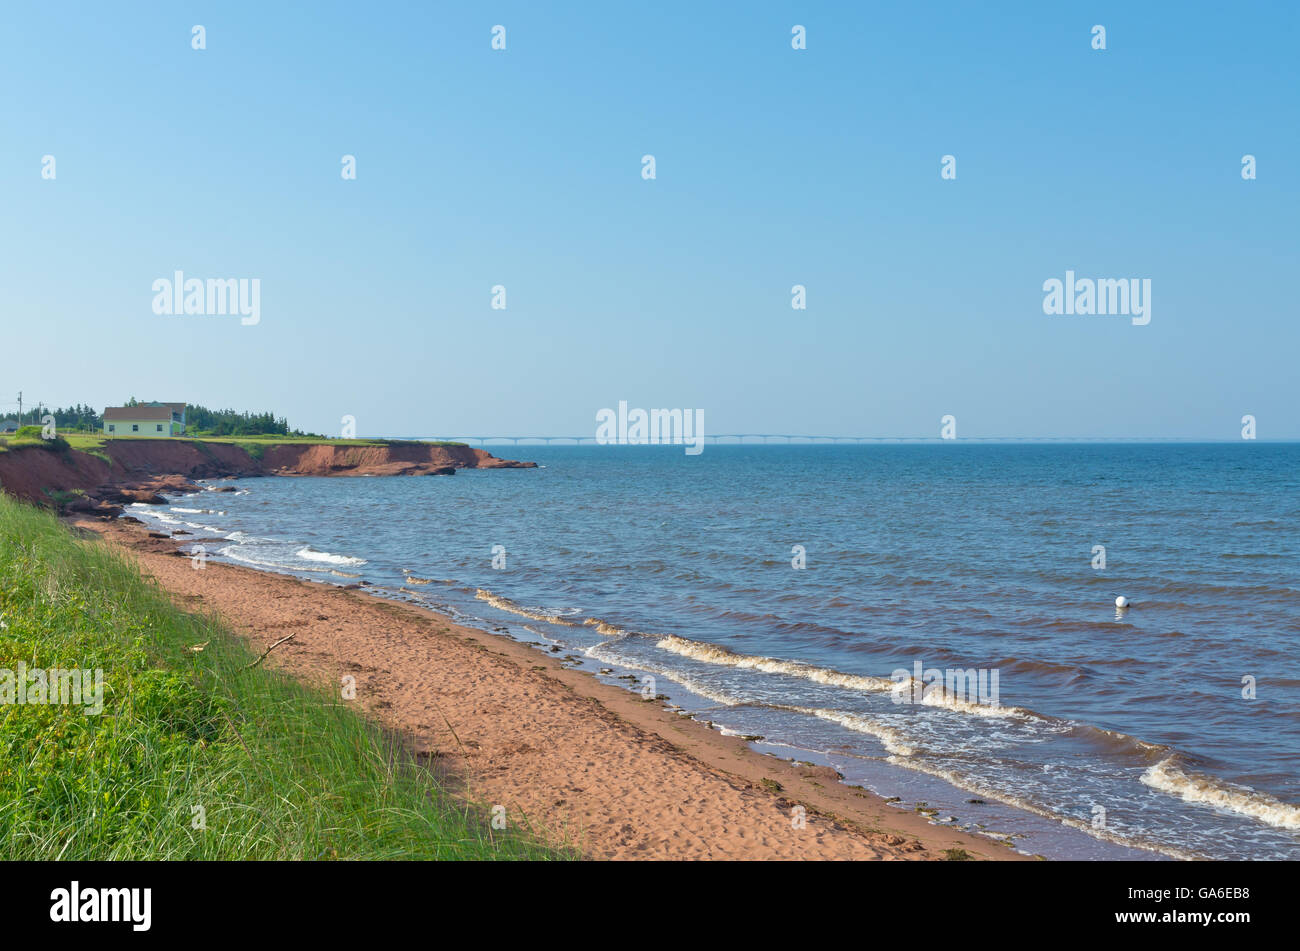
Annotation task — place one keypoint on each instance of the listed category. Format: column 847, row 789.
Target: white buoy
column 1121, row 602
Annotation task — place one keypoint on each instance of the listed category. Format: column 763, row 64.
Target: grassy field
column 89, row 442
column 190, row 730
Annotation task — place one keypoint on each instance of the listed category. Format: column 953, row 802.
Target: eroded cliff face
column 323, row 459
column 128, row 470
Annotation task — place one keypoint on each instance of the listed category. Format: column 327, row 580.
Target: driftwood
column 269, row 649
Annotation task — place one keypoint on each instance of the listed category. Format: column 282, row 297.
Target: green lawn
column 297, row 440
column 87, row 442
column 279, row 771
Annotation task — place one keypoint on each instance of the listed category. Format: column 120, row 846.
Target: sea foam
column 1205, row 790
column 311, row 554
column 505, row 604
column 714, row 654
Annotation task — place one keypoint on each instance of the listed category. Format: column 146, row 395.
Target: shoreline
column 584, row 762
column 103, row 476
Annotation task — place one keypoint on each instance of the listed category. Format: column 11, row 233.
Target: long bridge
column 790, row 438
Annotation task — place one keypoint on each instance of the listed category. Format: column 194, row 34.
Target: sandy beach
column 581, row 762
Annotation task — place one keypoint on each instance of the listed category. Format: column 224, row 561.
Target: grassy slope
column 283, row 772
column 89, row 441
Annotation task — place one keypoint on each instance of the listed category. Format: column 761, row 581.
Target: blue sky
column 775, row 167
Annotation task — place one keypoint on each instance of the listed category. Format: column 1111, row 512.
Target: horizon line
column 807, row 439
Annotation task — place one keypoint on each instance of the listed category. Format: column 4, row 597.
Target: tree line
column 199, row 420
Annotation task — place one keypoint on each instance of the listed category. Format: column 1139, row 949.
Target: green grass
column 282, row 771
column 94, row 442
column 31, row 436
column 273, row 440
column 82, row 441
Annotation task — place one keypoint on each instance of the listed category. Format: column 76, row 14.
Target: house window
column 112, row 428
column 135, row 427
column 159, row 427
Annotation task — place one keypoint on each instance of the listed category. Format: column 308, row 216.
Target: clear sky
column 774, row 167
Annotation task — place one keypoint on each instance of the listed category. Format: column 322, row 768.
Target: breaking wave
column 505, row 604
column 713, row 654
column 232, row 551
column 311, row 554
column 893, row 741
column 1207, row 791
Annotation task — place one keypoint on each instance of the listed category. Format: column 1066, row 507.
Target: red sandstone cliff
column 137, row 469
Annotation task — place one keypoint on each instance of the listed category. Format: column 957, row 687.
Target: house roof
column 162, row 414
column 176, row 407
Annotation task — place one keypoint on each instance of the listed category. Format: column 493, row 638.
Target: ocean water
column 1098, row 732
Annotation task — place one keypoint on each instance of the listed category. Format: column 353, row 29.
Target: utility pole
column 20, row 407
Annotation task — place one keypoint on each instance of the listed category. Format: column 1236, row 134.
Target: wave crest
column 311, row 554
column 713, row 654
column 505, row 604
column 1167, row 777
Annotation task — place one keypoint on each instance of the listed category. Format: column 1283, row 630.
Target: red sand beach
column 582, row 762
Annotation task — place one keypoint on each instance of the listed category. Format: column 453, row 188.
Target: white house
column 145, row 419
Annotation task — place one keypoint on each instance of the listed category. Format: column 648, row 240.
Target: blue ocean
column 937, row 622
